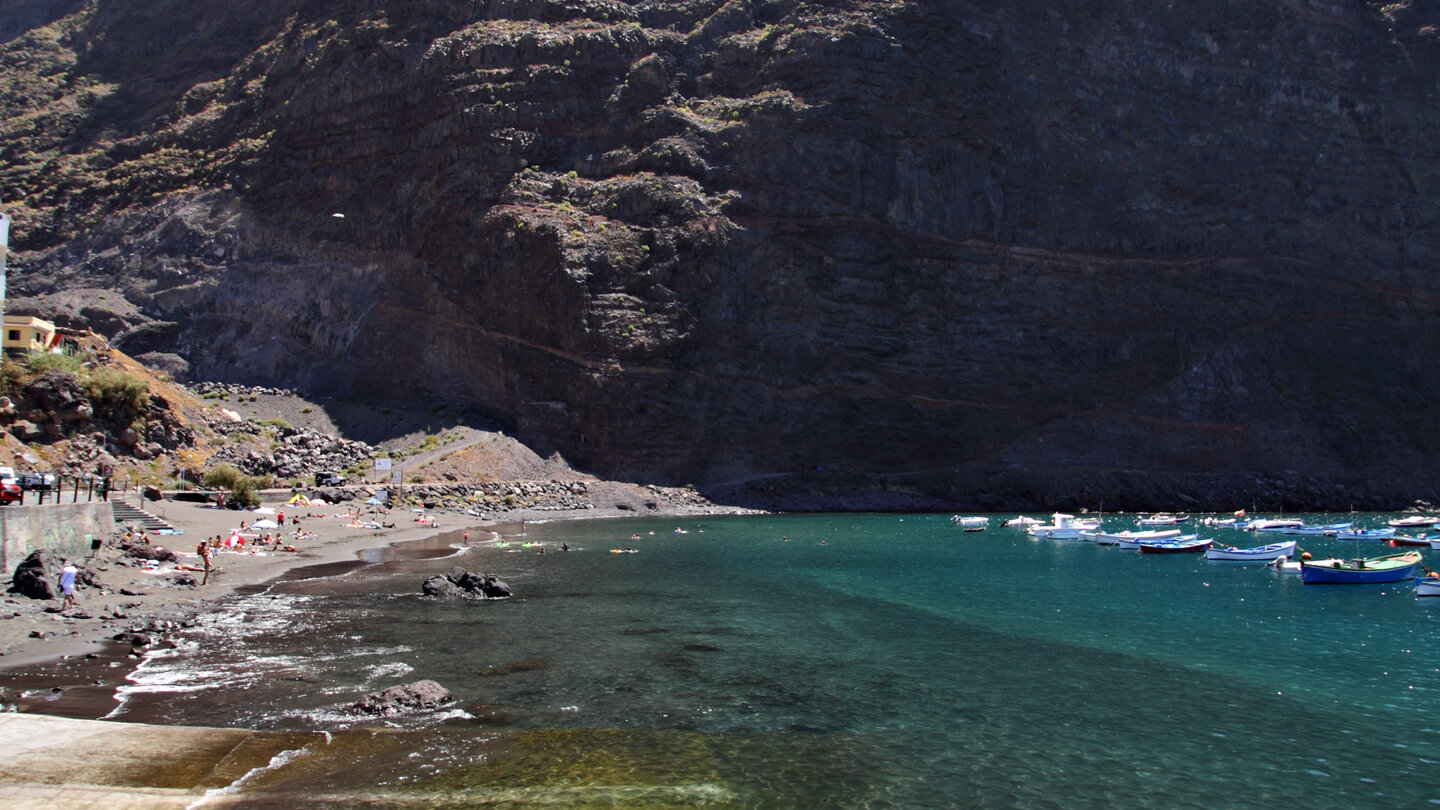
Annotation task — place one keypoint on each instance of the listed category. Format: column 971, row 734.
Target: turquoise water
column 872, row 661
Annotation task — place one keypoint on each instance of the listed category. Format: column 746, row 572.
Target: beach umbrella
column 317, row 502
column 264, row 524
column 300, row 500
column 263, row 510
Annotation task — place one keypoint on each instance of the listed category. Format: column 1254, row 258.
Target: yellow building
column 26, row 333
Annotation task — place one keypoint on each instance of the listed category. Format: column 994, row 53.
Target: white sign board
column 383, row 464
column 395, row 477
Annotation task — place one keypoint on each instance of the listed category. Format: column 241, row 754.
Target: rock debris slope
column 902, row 253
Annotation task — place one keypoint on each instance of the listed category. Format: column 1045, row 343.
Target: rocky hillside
column 801, row 253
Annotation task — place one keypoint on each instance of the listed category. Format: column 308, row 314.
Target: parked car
column 33, row 481
column 329, row 479
column 10, row 493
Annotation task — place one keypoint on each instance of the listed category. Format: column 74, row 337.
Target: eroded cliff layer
column 908, row 252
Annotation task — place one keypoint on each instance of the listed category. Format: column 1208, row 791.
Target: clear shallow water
column 871, row 661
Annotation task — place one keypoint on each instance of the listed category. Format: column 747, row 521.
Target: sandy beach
column 35, row 632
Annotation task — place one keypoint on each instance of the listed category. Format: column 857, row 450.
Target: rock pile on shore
column 297, row 452
column 543, row 496
column 222, row 390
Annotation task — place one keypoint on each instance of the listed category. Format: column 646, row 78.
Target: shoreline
column 74, row 668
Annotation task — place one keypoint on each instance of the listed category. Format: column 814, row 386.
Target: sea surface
column 845, row 661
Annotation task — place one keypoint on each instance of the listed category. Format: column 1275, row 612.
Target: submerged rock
column 466, row 585
column 406, row 698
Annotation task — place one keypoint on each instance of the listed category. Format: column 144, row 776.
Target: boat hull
column 1427, row 586
column 1260, row 554
column 1362, row 572
column 1181, row 547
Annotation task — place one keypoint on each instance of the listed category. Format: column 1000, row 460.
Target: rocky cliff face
column 911, row 253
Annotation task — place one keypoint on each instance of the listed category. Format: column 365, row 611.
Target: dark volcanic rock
column 407, row 698
column 36, row 575
column 887, row 255
column 467, row 584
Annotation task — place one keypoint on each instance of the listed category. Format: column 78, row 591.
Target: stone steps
column 127, row 515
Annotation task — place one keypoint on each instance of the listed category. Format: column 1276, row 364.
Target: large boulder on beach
column 466, row 585
column 36, row 575
column 145, row 551
column 407, row 698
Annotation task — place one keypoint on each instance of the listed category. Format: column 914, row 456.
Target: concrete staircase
column 127, row 515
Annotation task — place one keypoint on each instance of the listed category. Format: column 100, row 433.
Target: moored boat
column 1116, row 538
column 1415, row 522
column 1163, row 520
column 1176, row 546
column 1022, row 522
column 1135, row 543
column 1427, row 586
column 1064, row 527
column 1366, row 534
column 1265, row 554
column 971, row 524
column 1410, row 540
column 1317, row 531
column 1389, row 568
column 1270, row 524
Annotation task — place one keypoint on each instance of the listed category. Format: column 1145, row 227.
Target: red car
column 9, row 492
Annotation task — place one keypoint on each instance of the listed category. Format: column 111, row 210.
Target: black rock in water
column 466, row 584
column 406, row 698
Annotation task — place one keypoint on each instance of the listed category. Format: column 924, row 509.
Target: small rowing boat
column 1264, row 554
column 1390, row 568
column 1176, row 546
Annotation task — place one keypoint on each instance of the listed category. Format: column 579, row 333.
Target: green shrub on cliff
column 116, row 393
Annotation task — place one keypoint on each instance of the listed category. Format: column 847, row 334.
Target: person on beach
column 67, row 584
column 204, row 551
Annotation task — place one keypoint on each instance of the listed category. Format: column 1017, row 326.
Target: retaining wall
column 66, row 528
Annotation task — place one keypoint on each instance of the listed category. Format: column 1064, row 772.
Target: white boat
column 1415, row 522
column 1064, row 527
column 1427, row 586
column 1264, row 554
column 971, row 524
column 1135, row 543
column 1116, row 538
column 1221, row 523
column 1271, row 525
column 1022, row 522
column 1163, row 520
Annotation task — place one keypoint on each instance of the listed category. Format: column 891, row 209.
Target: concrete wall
column 65, row 528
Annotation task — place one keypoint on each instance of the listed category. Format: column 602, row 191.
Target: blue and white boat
column 1163, row 520
column 1366, row 534
column 1261, row 554
column 1317, row 531
column 1135, row 541
column 1193, row 543
column 1427, row 586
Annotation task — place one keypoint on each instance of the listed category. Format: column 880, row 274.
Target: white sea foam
column 276, row 762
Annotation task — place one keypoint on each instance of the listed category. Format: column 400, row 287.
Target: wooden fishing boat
column 1262, row 554
column 1133, row 537
column 1389, row 568
column 1176, row 546
column 1134, row 542
column 1317, row 531
column 1410, row 540
column 1427, row 586
column 1366, row 534
column 1163, row 520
